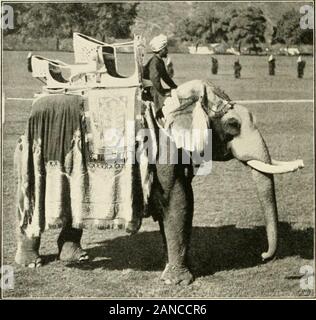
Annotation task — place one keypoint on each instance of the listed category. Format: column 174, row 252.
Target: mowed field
column 228, row 234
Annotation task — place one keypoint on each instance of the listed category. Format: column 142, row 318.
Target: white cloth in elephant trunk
column 276, row 166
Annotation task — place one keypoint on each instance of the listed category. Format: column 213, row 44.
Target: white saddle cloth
column 171, row 103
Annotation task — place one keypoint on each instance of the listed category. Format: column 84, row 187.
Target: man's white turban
column 158, row 43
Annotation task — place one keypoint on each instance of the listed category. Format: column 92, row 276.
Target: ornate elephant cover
column 75, row 162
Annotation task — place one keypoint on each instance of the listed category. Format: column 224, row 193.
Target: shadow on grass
column 49, row 258
column 212, row 249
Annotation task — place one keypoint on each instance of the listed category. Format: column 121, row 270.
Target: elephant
column 171, row 200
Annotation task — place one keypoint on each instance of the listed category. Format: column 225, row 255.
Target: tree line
column 46, row 20
column 242, row 26
column 196, row 23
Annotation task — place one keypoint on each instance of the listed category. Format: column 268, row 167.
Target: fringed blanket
column 71, row 172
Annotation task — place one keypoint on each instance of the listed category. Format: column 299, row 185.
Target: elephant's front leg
column 69, row 247
column 177, row 223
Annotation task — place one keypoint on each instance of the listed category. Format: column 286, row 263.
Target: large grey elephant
column 171, row 201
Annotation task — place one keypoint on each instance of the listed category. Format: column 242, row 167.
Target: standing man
column 154, row 72
column 214, row 65
column 271, row 63
column 237, row 69
column 300, row 67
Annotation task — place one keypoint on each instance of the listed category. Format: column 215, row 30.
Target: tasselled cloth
column 63, row 177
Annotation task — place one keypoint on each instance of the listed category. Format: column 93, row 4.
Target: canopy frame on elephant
column 95, row 66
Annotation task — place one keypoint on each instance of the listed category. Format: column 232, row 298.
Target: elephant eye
column 232, row 127
column 228, row 137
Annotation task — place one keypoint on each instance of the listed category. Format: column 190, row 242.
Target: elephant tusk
column 276, row 167
column 299, row 162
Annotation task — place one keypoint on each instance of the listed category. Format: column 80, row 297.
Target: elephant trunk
column 251, row 146
column 266, row 194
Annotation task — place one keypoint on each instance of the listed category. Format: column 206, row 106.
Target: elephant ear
column 201, row 106
column 188, row 124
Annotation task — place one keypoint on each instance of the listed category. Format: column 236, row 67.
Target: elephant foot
column 72, row 252
column 174, row 274
column 28, row 261
column 27, row 252
column 69, row 248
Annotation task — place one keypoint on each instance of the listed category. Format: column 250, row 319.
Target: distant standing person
column 237, row 69
column 300, row 67
column 271, row 63
column 214, row 65
column 196, row 46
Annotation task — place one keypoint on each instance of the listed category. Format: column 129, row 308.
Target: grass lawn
column 228, row 233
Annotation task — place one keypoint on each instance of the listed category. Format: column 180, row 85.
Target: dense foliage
column 288, row 30
column 195, row 23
